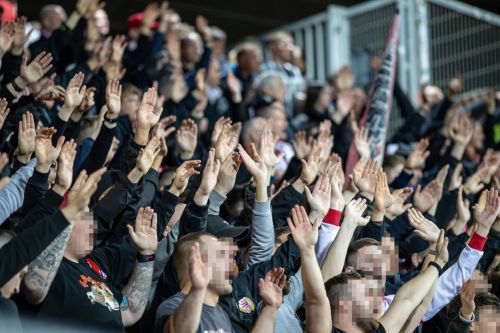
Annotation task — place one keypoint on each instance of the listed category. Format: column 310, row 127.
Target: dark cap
column 220, row 228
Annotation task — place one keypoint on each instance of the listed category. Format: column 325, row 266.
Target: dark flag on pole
column 376, row 115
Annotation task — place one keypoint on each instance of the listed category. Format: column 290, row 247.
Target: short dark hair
column 182, row 248
column 355, row 246
column 337, row 285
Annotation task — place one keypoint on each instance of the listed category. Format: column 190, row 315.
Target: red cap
column 9, row 11
column 135, row 21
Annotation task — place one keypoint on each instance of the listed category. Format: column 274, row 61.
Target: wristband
column 16, row 87
column 477, row 242
column 433, row 263
column 110, row 121
column 145, row 258
column 333, row 217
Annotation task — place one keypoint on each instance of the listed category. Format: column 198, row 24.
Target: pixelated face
column 52, row 20
column 13, row 286
column 390, row 253
column 220, row 257
column 81, row 239
column 433, row 94
column 370, row 261
column 364, row 296
column 488, row 320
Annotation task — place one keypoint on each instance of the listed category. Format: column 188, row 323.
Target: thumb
column 132, row 233
column 308, row 194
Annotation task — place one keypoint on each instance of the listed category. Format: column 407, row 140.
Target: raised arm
column 336, row 256
column 137, row 290
column 271, row 291
column 318, row 316
column 42, row 271
column 413, row 292
column 187, row 318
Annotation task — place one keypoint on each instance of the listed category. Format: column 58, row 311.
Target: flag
column 376, row 115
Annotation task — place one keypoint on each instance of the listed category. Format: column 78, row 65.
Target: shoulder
column 170, row 305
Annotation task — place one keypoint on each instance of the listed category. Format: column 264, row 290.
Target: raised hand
column 79, row 195
column 416, row 159
column 310, row 168
column 234, row 87
column 51, row 92
column 319, row 199
column 353, row 212
column 367, row 180
column 302, row 145
column 224, row 144
column 424, row 228
column 337, row 200
column 218, row 126
column 227, row 174
column 118, row 47
column 163, row 128
column 26, row 135
column 271, row 287
column 485, row 215
column 398, row 206
column 147, row 155
column 467, row 295
column 4, row 111
column 362, row 142
column 75, row 91
column 210, row 173
column 383, row 198
column 199, row 272
column 187, row 138
column 456, row 178
column 87, row 103
column 20, row 36
column 148, row 114
column 474, row 183
column 255, row 165
column 182, row 174
column 424, row 200
column 442, row 249
column 44, row 151
column 113, row 98
column 304, row 233
column 64, row 175
column 266, row 151
column 144, row 236
column 460, row 132
column 40, row 66
column 7, row 33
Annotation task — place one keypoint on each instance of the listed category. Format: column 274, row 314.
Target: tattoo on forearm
column 137, row 289
column 44, row 268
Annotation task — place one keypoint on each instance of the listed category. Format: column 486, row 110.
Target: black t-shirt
column 380, row 329
column 86, row 293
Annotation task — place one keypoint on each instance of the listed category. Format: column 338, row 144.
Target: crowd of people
column 157, row 182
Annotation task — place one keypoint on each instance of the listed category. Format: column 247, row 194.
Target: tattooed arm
column 44, row 268
column 137, row 289
column 136, row 292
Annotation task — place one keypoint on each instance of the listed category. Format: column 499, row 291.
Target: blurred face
column 284, row 50
column 221, row 261
column 393, row 171
column 370, row 261
column 477, row 136
column 214, row 73
column 13, row 286
column 433, row 94
column 130, row 105
column 101, row 21
column 192, row 49
column 488, row 320
column 250, row 61
column 81, row 239
column 52, row 20
column 278, row 116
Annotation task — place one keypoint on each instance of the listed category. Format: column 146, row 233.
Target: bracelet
column 110, row 121
column 145, row 258
column 433, row 263
column 16, row 87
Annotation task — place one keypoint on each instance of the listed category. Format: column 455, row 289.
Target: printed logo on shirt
column 246, row 305
column 99, row 293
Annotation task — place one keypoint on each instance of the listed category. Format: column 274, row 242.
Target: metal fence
column 438, row 38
